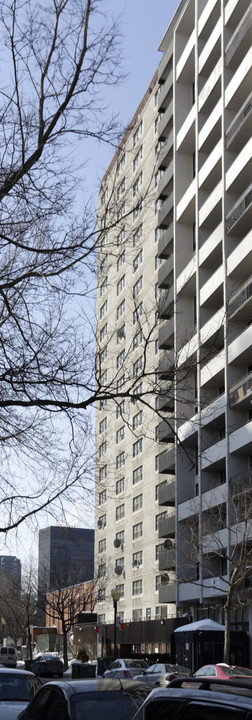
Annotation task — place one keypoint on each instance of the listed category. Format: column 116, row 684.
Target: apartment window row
column 137, row 133
column 121, row 260
column 137, row 313
column 121, row 164
column 137, row 531
column 137, row 447
column 137, row 158
column 103, row 425
column 121, row 285
column 137, row 287
column 137, row 475
column 137, row 260
column 102, row 497
column 120, row 512
column 120, row 434
column 103, row 449
column 138, row 234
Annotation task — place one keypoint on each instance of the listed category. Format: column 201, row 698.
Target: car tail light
column 126, row 673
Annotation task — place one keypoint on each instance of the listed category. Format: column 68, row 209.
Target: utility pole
column 115, row 596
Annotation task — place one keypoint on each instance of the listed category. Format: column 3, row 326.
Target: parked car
column 125, row 668
column 17, row 687
column 223, row 671
column 162, row 673
column 89, row 699
column 188, row 699
column 8, row 656
column 47, row 665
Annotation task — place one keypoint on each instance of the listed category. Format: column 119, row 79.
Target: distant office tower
column 174, row 212
column 10, row 570
column 66, row 557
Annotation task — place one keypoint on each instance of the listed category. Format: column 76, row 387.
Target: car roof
column 17, row 671
column 71, row 687
column 225, row 695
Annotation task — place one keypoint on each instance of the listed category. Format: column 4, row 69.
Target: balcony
column 167, row 559
column 240, row 41
column 164, row 155
column 164, row 243
column 165, row 178
column 167, row 527
column 166, row 494
column 167, row 593
column 165, row 212
column 165, row 276
column 166, row 334
column 165, row 120
column 165, row 402
column 166, row 365
column 240, row 123
column 164, row 91
column 242, row 301
column 238, row 220
column 167, row 462
column 240, row 394
column 165, row 432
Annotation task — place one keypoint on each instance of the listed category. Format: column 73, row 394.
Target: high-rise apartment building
column 175, row 260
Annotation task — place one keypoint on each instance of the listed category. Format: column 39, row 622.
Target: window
column 103, row 449
column 120, row 590
column 120, row 359
column 102, row 497
column 137, row 447
column 137, row 531
column 102, row 522
column 158, row 550
column 137, row 184
column 137, row 260
column 120, row 563
column 102, row 404
column 120, row 486
column 120, row 237
column 103, row 286
column 137, row 559
column 121, row 212
column 156, row 346
column 137, row 133
column 102, row 546
column 103, row 332
column 120, row 383
column 103, row 425
column 104, row 377
column 159, row 518
column 158, row 582
column 157, row 488
column 137, row 475
column 137, row 366
column 137, row 235
column 103, row 309
column 121, row 189
column 138, row 339
column 137, row 587
column 103, row 473
column 120, row 434
column 121, row 536
column 121, row 164
column 100, row 597
column 138, row 287
column 121, row 260
column 120, row 285
column 137, row 503
column 120, row 310
column 137, row 210
column 104, row 354
column 120, row 460
column 137, row 420
column 120, row 333
column 103, row 264
column 137, row 615
column 120, row 512
column 137, row 158
column 137, row 313
column 102, row 570
column 120, row 409
column 137, row 391
column 157, row 291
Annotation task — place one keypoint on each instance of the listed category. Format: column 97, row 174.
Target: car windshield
column 236, row 671
column 18, row 687
column 90, row 706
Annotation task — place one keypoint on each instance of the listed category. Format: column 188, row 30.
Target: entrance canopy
column 200, row 626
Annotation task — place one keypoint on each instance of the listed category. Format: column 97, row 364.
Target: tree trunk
column 65, row 658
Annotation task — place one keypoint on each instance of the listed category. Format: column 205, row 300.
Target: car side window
column 114, row 665
column 200, row 711
column 49, row 704
column 158, row 668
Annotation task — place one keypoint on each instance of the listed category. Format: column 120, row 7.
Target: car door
column 48, row 704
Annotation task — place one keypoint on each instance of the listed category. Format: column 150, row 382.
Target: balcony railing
column 166, row 527
column 242, row 390
column 239, row 208
column 167, row 559
column 240, row 297
column 239, row 119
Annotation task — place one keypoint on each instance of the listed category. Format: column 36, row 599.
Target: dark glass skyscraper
column 66, row 557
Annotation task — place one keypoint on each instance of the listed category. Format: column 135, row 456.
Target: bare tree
column 18, row 606
column 215, row 550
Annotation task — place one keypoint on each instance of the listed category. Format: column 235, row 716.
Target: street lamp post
column 115, row 596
